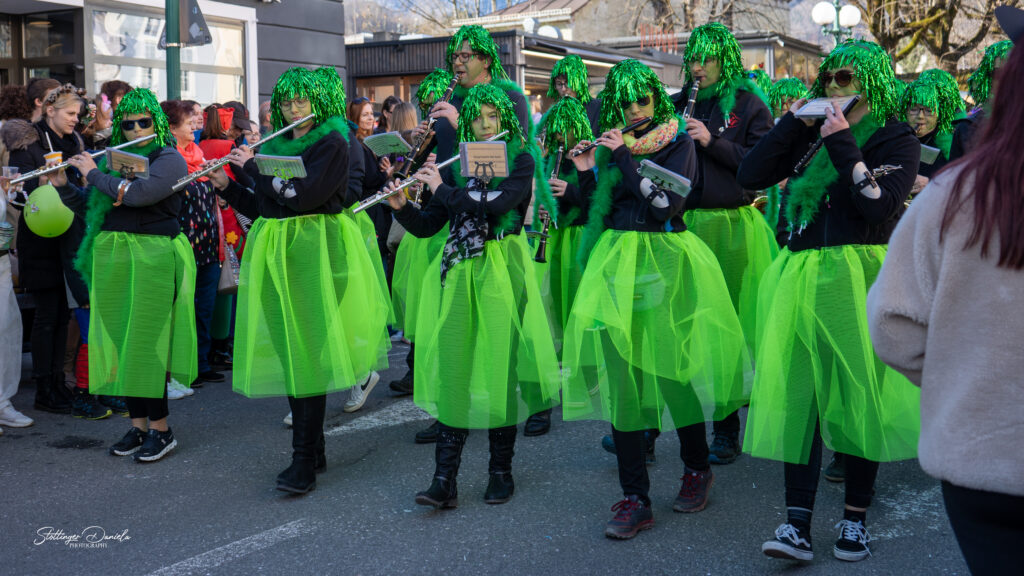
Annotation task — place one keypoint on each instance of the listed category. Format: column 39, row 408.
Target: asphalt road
column 211, row 508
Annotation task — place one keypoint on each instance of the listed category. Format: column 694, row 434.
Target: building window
column 49, row 34
column 6, row 50
column 126, row 48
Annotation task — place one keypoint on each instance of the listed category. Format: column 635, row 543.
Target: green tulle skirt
column 745, row 246
column 560, row 277
column 653, row 340
column 815, row 362
column 484, row 357
column 369, row 232
column 412, row 267
column 311, row 316
column 142, row 322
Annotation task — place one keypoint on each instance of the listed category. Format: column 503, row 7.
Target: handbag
column 229, row 269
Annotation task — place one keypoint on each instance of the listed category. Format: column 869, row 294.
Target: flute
column 802, row 164
column 420, row 149
column 688, row 112
column 51, row 169
column 593, row 145
column 217, row 164
column 382, row 195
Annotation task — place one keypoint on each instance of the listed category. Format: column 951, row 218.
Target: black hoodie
column 846, row 216
column 749, row 120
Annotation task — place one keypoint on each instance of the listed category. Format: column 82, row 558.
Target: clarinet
column 802, row 164
column 692, row 101
column 542, row 244
column 420, row 149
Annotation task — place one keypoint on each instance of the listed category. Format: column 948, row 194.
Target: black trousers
column 728, row 425
column 631, row 451
column 989, row 528
column 151, row 408
column 49, row 333
column 802, row 479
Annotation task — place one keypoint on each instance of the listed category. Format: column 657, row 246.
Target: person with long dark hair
column 947, row 311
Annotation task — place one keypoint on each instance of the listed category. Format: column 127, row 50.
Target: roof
column 529, row 6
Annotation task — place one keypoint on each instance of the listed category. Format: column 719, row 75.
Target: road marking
column 238, row 549
column 397, row 413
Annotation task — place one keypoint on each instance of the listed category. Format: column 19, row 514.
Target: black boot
column 538, row 424
column 321, row 453
column 61, row 390
column 428, row 434
column 47, row 399
column 443, row 491
column 307, row 427
column 500, row 487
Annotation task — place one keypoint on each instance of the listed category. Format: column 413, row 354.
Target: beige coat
column 953, row 323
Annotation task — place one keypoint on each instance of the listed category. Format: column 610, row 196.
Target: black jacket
column 846, row 217
column 630, row 210
column 573, row 197
column 593, row 108
column 716, row 185
column 964, row 131
column 324, row 190
column 928, row 170
column 448, row 201
column 150, row 207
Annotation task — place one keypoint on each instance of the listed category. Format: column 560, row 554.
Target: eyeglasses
column 143, row 123
column 561, row 83
column 641, row 102
column 842, row 78
column 920, row 111
column 295, row 103
column 463, row 56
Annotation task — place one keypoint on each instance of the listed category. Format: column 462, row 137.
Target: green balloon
column 45, row 214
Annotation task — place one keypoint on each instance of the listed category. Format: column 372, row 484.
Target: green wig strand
column 142, row 101
column 322, row 92
column 480, row 41
column 935, row 89
column 785, row 89
column 627, row 82
column 433, row 85
column 762, row 79
column 567, row 116
column 335, row 101
column 480, row 95
column 980, row 82
column 714, row 40
column 576, row 75
column 873, row 68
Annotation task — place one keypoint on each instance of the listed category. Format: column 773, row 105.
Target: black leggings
column 49, row 332
column 631, row 451
column 989, row 528
column 151, row 408
column 802, row 479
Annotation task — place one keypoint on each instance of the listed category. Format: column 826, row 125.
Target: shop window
column 6, row 49
column 49, row 34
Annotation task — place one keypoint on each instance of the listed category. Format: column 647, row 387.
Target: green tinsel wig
column 335, row 101
column 567, row 116
column 872, row 67
column 785, row 89
column 322, row 92
column 142, row 101
column 938, row 90
column 980, row 82
column 433, row 85
column 714, row 40
column 576, row 75
column 480, row 41
column 627, row 82
column 480, row 95
column 762, row 79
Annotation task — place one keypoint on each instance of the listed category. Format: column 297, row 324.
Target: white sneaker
column 176, row 390
column 288, row 420
column 360, row 393
column 11, row 417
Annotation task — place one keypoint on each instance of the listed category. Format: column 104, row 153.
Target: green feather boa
column 725, row 91
column 99, row 204
column 285, row 145
column 804, row 193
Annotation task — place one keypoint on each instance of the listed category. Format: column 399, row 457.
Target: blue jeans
column 207, row 278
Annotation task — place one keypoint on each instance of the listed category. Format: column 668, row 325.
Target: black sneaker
column 156, row 446
column 211, row 376
column 116, row 404
column 429, row 434
column 791, row 543
column 84, row 405
column 693, row 494
column 402, row 387
column 631, row 516
column 538, row 424
column 725, row 448
column 852, row 545
column 130, row 444
column 836, row 469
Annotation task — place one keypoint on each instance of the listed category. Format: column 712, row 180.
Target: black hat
column 1011, row 20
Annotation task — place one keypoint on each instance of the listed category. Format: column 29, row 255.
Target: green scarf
column 284, row 145
column 99, row 204
column 804, row 193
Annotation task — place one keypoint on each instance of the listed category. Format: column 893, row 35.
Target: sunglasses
column 842, row 78
column 143, row 123
column 641, row 102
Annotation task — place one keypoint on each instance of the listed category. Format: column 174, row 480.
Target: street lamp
column 835, row 20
